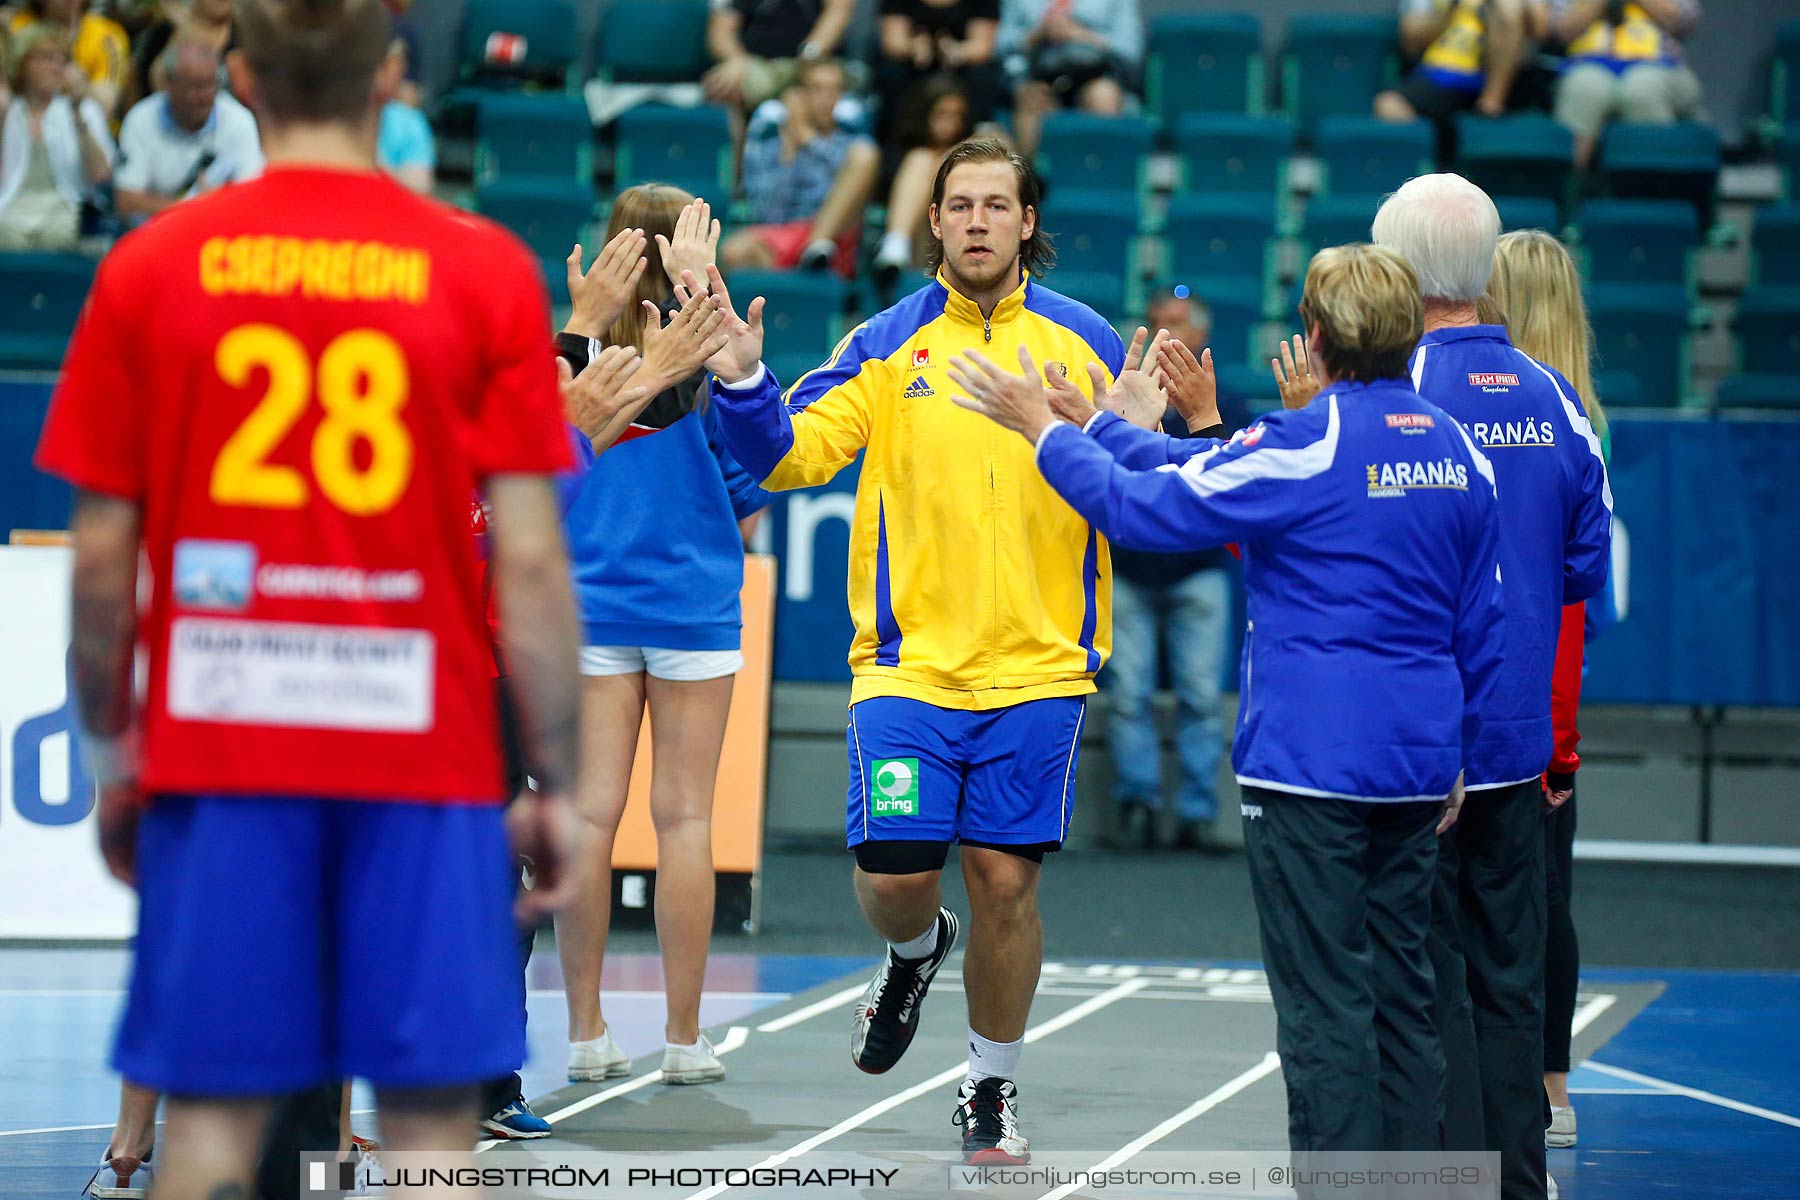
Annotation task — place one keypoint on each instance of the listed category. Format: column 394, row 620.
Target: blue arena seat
column 1225, row 153
column 1784, row 75
column 39, row 303
column 1642, row 329
column 687, row 147
column 1775, row 246
column 1527, row 154
column 543, row 134
column 1203, row 62
column 663, row 42
column 1209, row 236
column 1337, row 221
column 1095, row 153
column 1618, row 389
column 1768, row 330
column 1366, row 156
column 1662, row 162
column 1638, row 241
column 1334, row 65
column 1761, row 391
column 804, row 312
column 1237, row 310
column 548, row 215
column 506, row 42
column 1096, row 249
column 1527, row 212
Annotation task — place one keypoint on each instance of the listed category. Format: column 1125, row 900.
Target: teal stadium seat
column 659, row 42
column 687, row 147
column 509, row 42
column 1618, row 389
column 1527, row 212
column 803, row 314
column 1245, row 392
column 1236, row 154
column 1784, row 75
column 1096, row 249
column 1638, row 241
column 548, row 215
column 1768, row 330
column 1662, row 162
column 1337, row 221
column 1642, row 329
column 1334, row 66
column 543, row 135
column 1527, row 154
column 1095, row 154
column 39, row 303
column 1761, row 391
column 1775, row 246
column 1790, row 164
column 1237, row 311
column 1209, row 237
column 1366, row 156
column 1203, row 62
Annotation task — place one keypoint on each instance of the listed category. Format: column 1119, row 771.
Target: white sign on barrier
column 52, row 882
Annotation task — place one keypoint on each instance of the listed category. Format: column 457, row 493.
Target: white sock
column 596, row 1042
column 895, row 247
column 923, row 946
column 992, row 1060
column 823, row 247
column 696, row 1048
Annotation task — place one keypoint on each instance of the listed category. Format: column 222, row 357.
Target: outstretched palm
column 737, row 360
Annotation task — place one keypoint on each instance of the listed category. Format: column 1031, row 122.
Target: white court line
column 1590, row 1012
column 835, row 1000
column 1621, row 1092
column 1268, row 1066
column 56, row 1129
column 1767, row 1114
column 1060, row 1021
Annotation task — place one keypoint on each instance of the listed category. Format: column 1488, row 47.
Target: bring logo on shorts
column 894, row 787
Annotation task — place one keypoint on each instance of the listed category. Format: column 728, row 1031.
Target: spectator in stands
column 205, row 21
column 1084, row 53
column 185, row 140
column 55, row 146
column 808, row 181
column 1467, row 55
column 1183, row 602
column 98, row 46
column 760, row 44
column 922, row 40
column 404, row 144
column 1535, row 278
column 937, row 117
column 1624, row 61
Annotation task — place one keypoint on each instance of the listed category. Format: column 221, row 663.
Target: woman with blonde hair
column 658, row 559
column 1537, row 291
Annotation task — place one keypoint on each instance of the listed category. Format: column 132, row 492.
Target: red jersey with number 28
column 300, row 379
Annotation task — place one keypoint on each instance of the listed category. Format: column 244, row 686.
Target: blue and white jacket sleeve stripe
column 1479, row 637
column 754, row 425
column 1587, row 556
column 1234, row 493
column 1142, row 449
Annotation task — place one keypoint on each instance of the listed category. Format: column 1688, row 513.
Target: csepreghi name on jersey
column 1394, row 478
column 1509, row 434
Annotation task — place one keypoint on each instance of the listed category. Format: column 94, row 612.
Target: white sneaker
column 1561, row 1134
column 120, row 1178
column 598, row 1059
column 685, row 1064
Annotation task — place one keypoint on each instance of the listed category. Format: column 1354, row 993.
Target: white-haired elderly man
column 1555, row 543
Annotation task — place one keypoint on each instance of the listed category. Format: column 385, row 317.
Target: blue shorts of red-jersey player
column 283, row 941
column 1003, row 777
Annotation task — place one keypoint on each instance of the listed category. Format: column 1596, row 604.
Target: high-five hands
column 601, row 293
column 1294, row 375
column 675, row 351
column 738, row 359
column 695, row 244
column 1190, row 384
column 1019, row 402
column 598, row 401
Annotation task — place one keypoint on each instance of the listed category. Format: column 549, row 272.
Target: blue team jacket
column 1369, row 528
column 653, row 540
column 1555, row 522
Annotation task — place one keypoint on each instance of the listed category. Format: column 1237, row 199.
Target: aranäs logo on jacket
column 1509, row 435
column 1396, row 478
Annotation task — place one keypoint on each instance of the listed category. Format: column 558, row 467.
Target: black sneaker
column 987, row 1111
column 888, row 1015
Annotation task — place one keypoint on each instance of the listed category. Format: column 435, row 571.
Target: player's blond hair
column 653, row 208
column 1538, row 289
column 37, row 39
column 1362, row 304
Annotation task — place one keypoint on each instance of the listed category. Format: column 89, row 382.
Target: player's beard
column 974, row 281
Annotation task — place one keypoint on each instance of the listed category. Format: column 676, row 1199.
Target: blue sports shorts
column 284, row 941
column 922, row 773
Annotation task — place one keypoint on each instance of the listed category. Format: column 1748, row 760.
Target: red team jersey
column 300, row 380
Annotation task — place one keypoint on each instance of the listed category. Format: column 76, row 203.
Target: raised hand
column 695, row 244
column 1294, row 375
column 1019, row 402
column 1134, row 396
column 675, row 351
column 741, row 354
column 1192, row 387
column 597, row 401
column 1066, row 401
column 601, row 294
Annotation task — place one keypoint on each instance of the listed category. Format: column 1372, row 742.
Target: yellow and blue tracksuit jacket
column 973, row 585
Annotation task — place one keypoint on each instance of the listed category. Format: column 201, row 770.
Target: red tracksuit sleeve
column 1565, row 689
